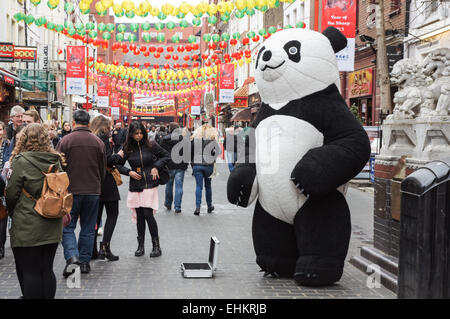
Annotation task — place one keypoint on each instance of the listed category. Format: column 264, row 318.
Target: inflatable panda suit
column 304, row 147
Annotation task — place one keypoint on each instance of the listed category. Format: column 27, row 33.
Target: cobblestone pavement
column 185, row 238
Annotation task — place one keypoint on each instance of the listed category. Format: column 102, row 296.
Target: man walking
column 16, row 121
column 86, row 167
column 119, row 135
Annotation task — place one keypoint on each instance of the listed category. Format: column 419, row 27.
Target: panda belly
column 282, row 141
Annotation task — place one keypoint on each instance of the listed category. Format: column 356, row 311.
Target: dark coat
column 141, row 160
column 168, row 142
column 28, row 228
column 204, row 152
column 86, row 161
column 55, row 141
column 119, row 136
column 110, row 192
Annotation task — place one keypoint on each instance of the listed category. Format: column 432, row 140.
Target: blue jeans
column 176, row 175
column 85, row 207
column 231, row 159
column 202, row 172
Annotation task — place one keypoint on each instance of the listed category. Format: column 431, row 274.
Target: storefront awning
column 9, row 78
column 243, row 115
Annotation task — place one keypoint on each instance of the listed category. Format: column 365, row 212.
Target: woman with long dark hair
column 34, row 239
column 66, row 129
column 146, row 160
column 109, row 197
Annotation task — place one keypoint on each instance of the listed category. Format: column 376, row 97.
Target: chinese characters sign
column 360, row 83
column 341, row 14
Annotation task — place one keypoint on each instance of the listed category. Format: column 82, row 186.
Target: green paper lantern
column 251, row 12
column 196, row 22
column 87, row 11
column 145, row 26
column 29, row 19
column 159, row 26
column 236, row 35
column 181, row 15
column 263, row 9
column 68, row 7
column 90, row 26
column 239, row 14
column 36, row 2
column 106, row 35
column 101, row 27
column 287, row 26
column 67, row 24
column 160, row 37
column 80, row 32
column 272, row 30
column 199, row 15
column 119, row 37
column 162, row 16
column 121, row 28
column 59, row 27
column 165, row 82
column 130, row 15
column 93, row 34
column 19, row 16
column 251, row 34
column 110, row 27
column 132, row 38
column 277, row 4
column 225, row 37
column 71, row 31
column 52, row 7
column 134, row 27
column 146, row 37
column 175, row 38
column 51, row 26
column 192, row 39
column 212, row 20
column 170, row 25
column 184, row 24
column 119, row 14
column 262, row 32
column 79, row 26
column 225, row 18
column 300, row 25
column 216, row 38
column 207, row 37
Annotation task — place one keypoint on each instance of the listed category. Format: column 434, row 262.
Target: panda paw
column 299, row 187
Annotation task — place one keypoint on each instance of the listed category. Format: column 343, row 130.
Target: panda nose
column 267, row 56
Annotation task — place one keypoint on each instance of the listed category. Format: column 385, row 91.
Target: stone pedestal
column 407, row 145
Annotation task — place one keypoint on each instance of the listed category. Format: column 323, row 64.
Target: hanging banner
column 196, row 102
column 115, row 113
column 342, row 16
column 6, row 52
column 226, row 83
column 76, row 67
column 76, row 86
column 27, row 54
column 103, row 85
column 359, row 83
column 115, row 99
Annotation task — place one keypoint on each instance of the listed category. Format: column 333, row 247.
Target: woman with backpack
column 34, row 238
column 109, row 197
column 147, row 161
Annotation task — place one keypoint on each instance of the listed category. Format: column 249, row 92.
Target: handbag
column 116, row 175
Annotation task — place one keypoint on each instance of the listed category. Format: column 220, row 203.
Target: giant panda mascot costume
column 307, row 146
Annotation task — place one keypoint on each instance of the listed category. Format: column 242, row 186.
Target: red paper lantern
column 212, row 46
column 99, row 60
column 116, row 63
column 126, row 64
column 125, row 51
column 136, row 65
column 233, row 42
column 185, row 65
column 167, row 57
column 147, row 64
column 195, row 57
column 146, row 54
column 176, row 66
column 143, row 48
column 132, row 47
column 166, row 66
column 60, row 51
column 136, row 52
column 175, row 57
column 160, row 50
column 156, row 66
column 195, row 46
column 256, row 38
column 222, row 44
column 204, row 56
column 170, row 49
column 152, row 49
column 124, row 46
column 186, row 58
column 245, row 41
column 195, row 64
column 157, row 55
column 180, row 48
column 208, row 63
column 217, row 61
column 188, row 47
column 267, row 35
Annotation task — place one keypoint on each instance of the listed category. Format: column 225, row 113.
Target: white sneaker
column 100, row 231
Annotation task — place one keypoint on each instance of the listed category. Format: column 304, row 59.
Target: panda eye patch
column 292, row 49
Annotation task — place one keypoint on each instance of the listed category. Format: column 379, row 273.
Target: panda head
column 294, row 63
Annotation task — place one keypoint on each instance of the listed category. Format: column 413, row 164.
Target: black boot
column 95, row 251
column 2, row 251
column 105, row 252
column 140, row 250
column 156, row 252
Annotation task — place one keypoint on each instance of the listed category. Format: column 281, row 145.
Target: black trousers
column 146, row 214
column 3, row 227
column 34, row 267
column 112, row 212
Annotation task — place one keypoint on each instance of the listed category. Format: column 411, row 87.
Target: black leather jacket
column 141, row 160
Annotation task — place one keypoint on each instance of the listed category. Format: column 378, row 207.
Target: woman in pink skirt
column 146, row 160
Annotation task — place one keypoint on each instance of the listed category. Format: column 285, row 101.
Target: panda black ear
column 337, row 39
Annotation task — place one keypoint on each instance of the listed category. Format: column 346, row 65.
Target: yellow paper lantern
column 250, row 4
column 154, row 11
column 212, row 9
column 107, row 3
column 185, row 8
column 241, row 4
column 128, row 5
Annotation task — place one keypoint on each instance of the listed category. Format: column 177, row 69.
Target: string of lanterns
column 129, row 9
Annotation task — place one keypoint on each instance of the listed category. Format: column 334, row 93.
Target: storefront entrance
column 365, row 111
